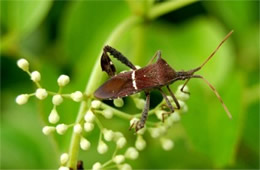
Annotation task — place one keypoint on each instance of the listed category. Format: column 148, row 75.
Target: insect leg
column 174, row 98
column 184, row 86
column 140, row 124
column 118, row 56
column 216, row 93
column 168, row 103
column 157, row 54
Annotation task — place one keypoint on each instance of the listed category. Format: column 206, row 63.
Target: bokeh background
column 66, row 37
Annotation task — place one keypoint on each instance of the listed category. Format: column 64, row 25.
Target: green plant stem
column 166, row 7
column 117, row 112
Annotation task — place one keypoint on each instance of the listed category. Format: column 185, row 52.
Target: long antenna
column 212, row 54
column 216, row 93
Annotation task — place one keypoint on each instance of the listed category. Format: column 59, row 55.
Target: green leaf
column 82, row 33
column 25, row 146
column 22, row 17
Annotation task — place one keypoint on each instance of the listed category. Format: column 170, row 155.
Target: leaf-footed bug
column 151, row 77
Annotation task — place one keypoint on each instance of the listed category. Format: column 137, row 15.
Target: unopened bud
column 22, row 99
column 63, row 80
column 41, row 93
column 23, row 64
column 118, row 102
column 35, row 76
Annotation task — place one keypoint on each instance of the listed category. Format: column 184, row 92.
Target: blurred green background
column 66, row 37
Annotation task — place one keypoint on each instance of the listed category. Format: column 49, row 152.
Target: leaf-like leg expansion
column 119, row 56
column 107, row 65
column 174, row 98
column 140, row 124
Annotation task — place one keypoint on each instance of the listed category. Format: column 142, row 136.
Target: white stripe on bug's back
column 133, row 80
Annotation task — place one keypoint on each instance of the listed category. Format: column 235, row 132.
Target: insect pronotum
column 153, row 76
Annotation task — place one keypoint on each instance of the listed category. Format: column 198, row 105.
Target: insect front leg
column 174, row 98
column 186, row 92
column 140, row 124
column 119, row 56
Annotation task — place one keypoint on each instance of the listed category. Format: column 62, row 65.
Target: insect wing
column 117, row 86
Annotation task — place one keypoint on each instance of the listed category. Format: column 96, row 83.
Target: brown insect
column 151, row 77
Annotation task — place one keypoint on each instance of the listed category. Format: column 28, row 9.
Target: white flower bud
column 88, row 126
column 140, row 103
column 184, row 107
column 77, row 128
column 107, row 113
column 125, row 167
column 22, row 99
column 181, row 95
column 141, row 131
column 57, row 99
column 133, row 121
column 84, row 144
column 118, row 102
column 41, row 93
column 95, row 104
column 140, row 143
column 64, row 158
column 63, row 80
column 89, row 116
column 121, row 142
column 117, row 135
column 23, row 64
column 162, row 129
column 175, row 117
column 108, row 134
column 46, row 130
column 102, row 147
column 54, row 116
column 35, row 76
column 97, row 166
column 155, row 132
column 61, row 128
column 63, row 168
column 77, row 96
column 131, row 153
column 167, row 144
column 118, row 159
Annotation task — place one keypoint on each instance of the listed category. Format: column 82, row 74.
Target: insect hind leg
column 107, row 65
column 119, row 56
